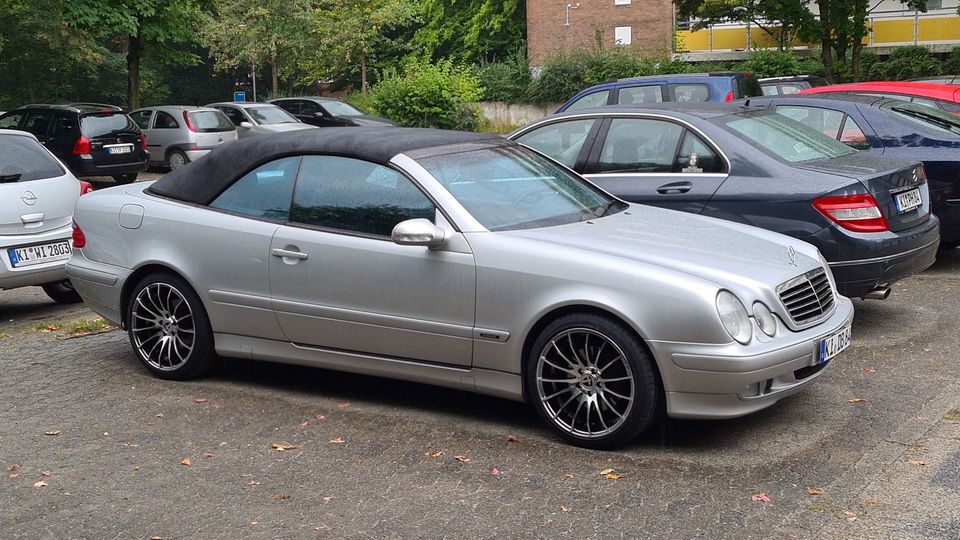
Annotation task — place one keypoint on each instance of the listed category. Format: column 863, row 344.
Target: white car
column 38, row 194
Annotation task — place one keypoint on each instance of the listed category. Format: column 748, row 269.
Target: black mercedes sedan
column 328, row 112
column 869, row 215
column 893, row 128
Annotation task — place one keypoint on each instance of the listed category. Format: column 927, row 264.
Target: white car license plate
column 833, row 345
column 119, row 149
column 908, row 200
column 30, row 255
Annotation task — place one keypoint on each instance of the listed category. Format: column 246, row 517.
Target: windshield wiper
column 10, row 178
column 933, row 119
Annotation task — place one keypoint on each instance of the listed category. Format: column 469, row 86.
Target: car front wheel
column 169, row 328
column 62, row 292
column 592, row 380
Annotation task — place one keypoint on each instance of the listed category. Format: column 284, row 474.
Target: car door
column 64, row 132
column 566, row 141
column 338, row 281
column 313, row 113
column 38, row 123
column 142, row 119
column 656, row 161
column 165, row 132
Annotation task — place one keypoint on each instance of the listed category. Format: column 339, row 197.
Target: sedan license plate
column 31, row 255
column 833, row 345
column 119, row 149
column 908, row 200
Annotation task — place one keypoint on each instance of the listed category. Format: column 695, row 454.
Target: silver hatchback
column 177, row 134
column 38, row 195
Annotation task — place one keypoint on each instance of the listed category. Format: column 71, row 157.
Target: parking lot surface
column 92, row 446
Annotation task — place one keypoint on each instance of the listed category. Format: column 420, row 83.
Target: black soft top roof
column 202, row 181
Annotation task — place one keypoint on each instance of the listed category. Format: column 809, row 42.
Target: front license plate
column 123, row 149
column 833, row 345
column 30, row 255
column 908, row 200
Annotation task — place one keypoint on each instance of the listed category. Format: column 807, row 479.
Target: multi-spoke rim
column 163, row 327
column 585, row 383
column 177, row 160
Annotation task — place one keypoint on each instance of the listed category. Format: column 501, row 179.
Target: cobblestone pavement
column 92, row 446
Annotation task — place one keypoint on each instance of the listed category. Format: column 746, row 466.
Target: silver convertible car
column 462, row 260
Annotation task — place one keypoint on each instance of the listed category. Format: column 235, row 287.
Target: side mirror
column 246, row 125
column 418, row 232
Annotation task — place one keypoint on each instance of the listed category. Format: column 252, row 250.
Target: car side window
column 696, row 156
column 789, row 89
column 141, row 118
column 691, row 93
column 825, row 121
column 264, row 192
column 640, row 94
column 770, row 90
column 639, row 145
column 356, row 196
column 596, row 99
column 63, row 127
column 234, row 115
column 165, row 121
column 37, row 123
column 562, row 141
column 292, row 106
column 853, row 136
column 11, row 121
column 309, row 108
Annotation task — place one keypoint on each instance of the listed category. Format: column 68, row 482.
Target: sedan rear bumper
column 727, row 381
column 50, row 272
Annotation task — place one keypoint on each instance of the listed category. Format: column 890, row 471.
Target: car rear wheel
column 62, row 292
column 125, row 178
column 176, row 159
column 592, row 380
column 169, row 328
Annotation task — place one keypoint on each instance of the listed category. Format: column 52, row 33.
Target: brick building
column 563, row 24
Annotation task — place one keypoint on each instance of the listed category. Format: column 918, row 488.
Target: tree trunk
column 133, row 72
column 363, row 75
column 859, row 31
column 826, row 44
column 273, row 64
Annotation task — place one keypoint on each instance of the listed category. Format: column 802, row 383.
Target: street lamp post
column 253, row 67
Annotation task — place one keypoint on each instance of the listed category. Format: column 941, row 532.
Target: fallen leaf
column 327, row 499
column 926, row 349
column 13, row 471
column 45, row 473
column 872, row 500
column 319, row 417
column 814, row 491
column 856, row 400
column 253, row 483
column 200, row 400
column 869, row 370
column 462, row 459
column 282, row 447
column 136, row 467
column 438, row 453
column 568, row 475
column 186, row 462
column 344, row 405
column 917, row 462
column 281, row 497
column 254, row 522
column 158, row 415
column 358, row 461
column 760, row 497
column 155, row 538
column 41, row 483
column 495, row 471
column 511, row 438
column 564, row 508
column 606, row 471
column 53, row 433
column 207, row 454
column 106, row 434
column 612, row 476
column 851, row 516
column 304, row 423
column 338, row 440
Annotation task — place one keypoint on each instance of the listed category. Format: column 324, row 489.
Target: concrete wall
column 506, row 115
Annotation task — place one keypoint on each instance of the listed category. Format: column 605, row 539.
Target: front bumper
column 51, row 272
column 731, row 380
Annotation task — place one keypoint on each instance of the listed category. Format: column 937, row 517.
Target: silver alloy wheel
column 176, row 160
column 163, row 326
column 585, row 383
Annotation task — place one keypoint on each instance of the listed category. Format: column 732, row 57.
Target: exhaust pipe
column 880, row 293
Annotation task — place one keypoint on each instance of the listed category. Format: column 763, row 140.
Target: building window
column 622, row 35
column 627, row 2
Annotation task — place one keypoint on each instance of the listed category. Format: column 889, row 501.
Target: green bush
column 563, row 74
column 430, row 95
column 904, row 63
column 507, row 81
column 771, row 63
column 951, row 66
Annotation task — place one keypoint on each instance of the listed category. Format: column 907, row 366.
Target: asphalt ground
column 92, row 446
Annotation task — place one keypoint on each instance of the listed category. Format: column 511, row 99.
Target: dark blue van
column 682, row 87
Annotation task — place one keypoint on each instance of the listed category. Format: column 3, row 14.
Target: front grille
column 808, row 298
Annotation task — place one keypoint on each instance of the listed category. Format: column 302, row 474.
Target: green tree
column 153, row 25
column 471, row 30
column 780, row 19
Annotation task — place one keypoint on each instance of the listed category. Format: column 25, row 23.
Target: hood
column 723, row 252
column 279, row 128
column 366, row 120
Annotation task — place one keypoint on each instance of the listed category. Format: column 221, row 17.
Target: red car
column 940, row 96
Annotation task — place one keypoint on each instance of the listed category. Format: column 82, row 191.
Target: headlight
column 734, row 317
column 765, row 319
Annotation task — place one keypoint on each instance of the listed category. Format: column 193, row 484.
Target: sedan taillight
column 85, row 187
column 859, row 213
column 78, row 239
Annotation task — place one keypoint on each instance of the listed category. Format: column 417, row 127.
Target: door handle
column 674, row 188
column 287, row 254
column 27, row 219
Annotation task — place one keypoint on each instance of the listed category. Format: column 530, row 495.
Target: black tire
column 125, row 178
column 176, row 159
column 62, row 292
column 163, row 314
column 608, row 392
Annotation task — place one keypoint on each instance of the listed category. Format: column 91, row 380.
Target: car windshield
column 511, row 187
column 339, row 108
column 266, row 116
column 103, row 124
column 23, row 159
column 927, row 117
column 783, row 138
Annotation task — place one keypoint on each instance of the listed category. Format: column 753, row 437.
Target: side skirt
column 482, row 381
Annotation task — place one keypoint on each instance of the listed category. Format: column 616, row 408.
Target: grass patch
column 816, row 508
column 78, row 328
column 49, row 326
column 952, row 416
